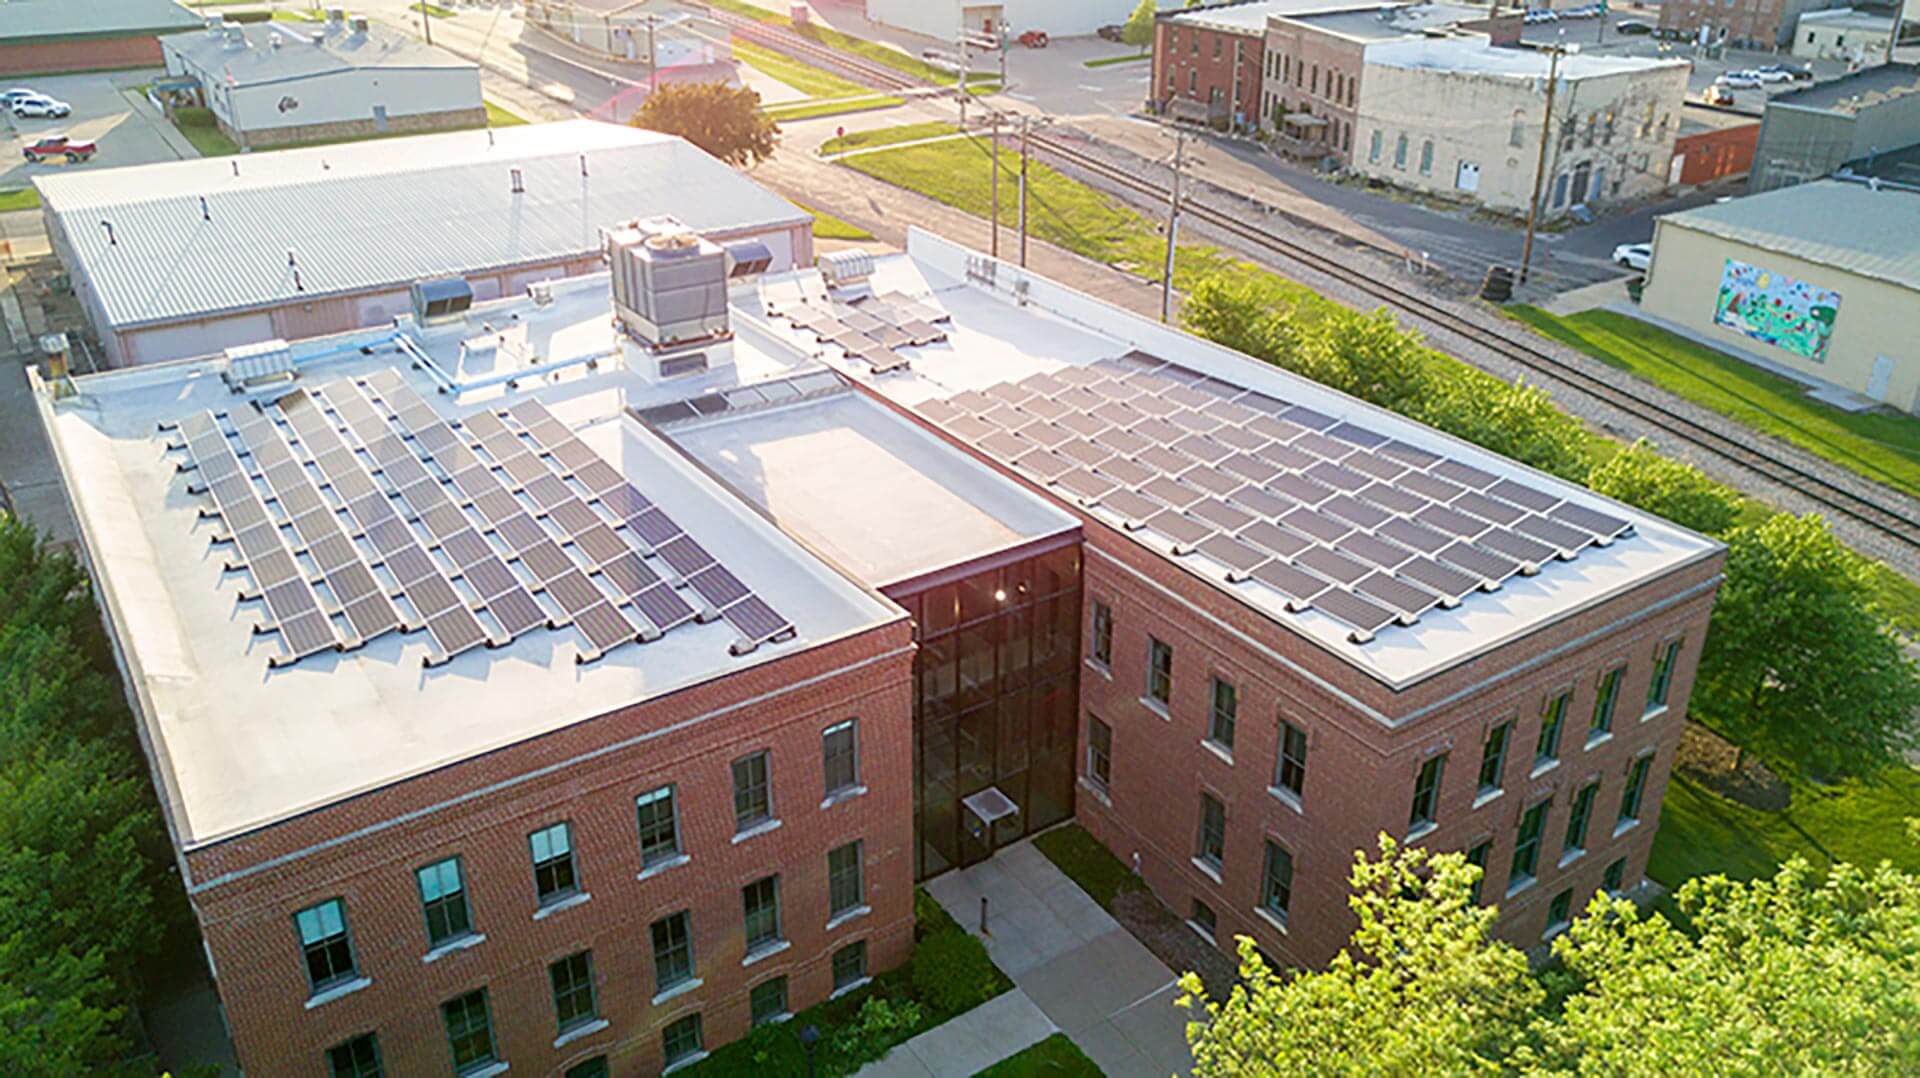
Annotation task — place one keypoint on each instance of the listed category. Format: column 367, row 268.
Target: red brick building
column 1713, row 145
column 1207, row 62
column 41, row 36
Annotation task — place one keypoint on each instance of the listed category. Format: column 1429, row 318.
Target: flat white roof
column 1000, row 348
column 241, row 744
column 285, row 51
column 211, row 236
column 1474, row 56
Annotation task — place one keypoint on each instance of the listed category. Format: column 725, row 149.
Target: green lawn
column 804, row 77
column 1859, row 822
column 911, row 66
column 828, row 227
column 1055, row 1057
column 200, row 129
column 499, row 117
column 1086, row 862
column 1884, row 448
column 434, row 10
column 20, row 198
column 809, row 110
column 1109, row 61
column 887, row 136
column 283, row 15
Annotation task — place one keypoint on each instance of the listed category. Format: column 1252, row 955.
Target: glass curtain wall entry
column 998, row 683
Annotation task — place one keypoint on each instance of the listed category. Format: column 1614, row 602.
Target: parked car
column 1783, row 73
column 40, row 106
column 1632, row 27
column 47, row 147
column 1717, row 95
column 1034, row 39
column 8, row 97
column 1111, row 32
column 1634, row 256
column 1740, row 80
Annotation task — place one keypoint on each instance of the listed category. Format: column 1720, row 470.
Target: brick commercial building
column 794, row 598
column 41, row 36
column 1743, row 24
column 1713, row 144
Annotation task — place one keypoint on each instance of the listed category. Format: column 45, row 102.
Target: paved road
column 101, row 111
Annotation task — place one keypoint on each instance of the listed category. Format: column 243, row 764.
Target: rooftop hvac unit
column 844, row 269
column 250, row 366
column 358, row 23
column 669, row 284
column 440, row 300
column 216, row 25
column 748, row 258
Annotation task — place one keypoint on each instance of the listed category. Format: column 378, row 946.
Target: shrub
column 881, row 1024
column 194, row 116
column 1672, row 489
column 952, row 973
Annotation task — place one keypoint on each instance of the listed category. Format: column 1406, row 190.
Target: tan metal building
column 1820, row 280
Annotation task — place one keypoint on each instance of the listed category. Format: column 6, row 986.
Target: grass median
column 1109, row 61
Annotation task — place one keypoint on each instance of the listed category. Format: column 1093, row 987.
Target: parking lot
column 101, row 112
column 1602, row 37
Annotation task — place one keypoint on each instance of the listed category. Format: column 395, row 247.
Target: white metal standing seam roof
column 380, row 214
column 298, row 56
column 1849, row 226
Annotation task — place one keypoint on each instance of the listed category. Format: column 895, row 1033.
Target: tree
column 1421, row 989
column 1234, row 312
column 1370, row 357
column 1797, row 665
column 723, row 120
column 1138, row 30
column 1667, row 488
column 1515, row 420
column 1798, row 974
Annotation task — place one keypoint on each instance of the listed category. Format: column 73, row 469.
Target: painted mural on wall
column 1783, row 311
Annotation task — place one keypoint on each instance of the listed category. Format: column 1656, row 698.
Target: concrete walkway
column 969, row 1044
column 1085, row 973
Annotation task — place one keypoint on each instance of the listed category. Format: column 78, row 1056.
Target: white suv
column 37, row 105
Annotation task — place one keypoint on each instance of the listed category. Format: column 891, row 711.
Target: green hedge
column 248, row 16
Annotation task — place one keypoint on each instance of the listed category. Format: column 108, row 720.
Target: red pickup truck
column 47, row 147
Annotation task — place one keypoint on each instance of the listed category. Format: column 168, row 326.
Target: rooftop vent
column 216, row 25
column 236, row 38
column 336, row 16
column 359, row 24
column 441, row 300
column 747, row 258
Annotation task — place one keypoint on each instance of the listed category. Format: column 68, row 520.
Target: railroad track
column 871, row 72
column 1887, row 517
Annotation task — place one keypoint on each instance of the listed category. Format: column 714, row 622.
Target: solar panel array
column 800, row 387
column 1333, row 516
column 872, row 328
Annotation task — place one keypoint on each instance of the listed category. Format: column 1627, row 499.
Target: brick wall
column 1309, row 70
column 99, row 54
column 1714, row 155
column 365, row 850
column 1197, row 65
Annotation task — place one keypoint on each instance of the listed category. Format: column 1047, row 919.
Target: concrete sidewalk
column 1085, row 973
column 969, row 1044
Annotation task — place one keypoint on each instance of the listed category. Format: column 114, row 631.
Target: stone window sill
column 1100, row 668
column 1208, row 867
column 1287, row 798
column 683, row 1064
column 658, row 867
column 1098, row 791
column 498, row 1066
column 1594, row 741
column 1653, row 713
column 1518, row 886
column 328, row 995
column 847, row 794
column 1542, row 767
column 1156, row 707
column 1279, row 923
column 577, row 899
column 853, row 914
column 1488, row 797
column 758, row 829
column 679, row 989
column 579, row 1032
column 1624, row 826
column 1571, row 856
column 1202, row 933
column 1421, row 831
column 850, row 986
column 765, row 951
column 472, row 939
column 1218, row 749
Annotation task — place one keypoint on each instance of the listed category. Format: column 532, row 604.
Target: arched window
column 1519, row 135
column 1426, row 157
column 1373, row 146
column 1400, row 152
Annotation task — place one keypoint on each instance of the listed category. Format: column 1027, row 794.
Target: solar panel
column 1564, row 538
column 602, row 544
column 685, row 556
column 1483, row 564
column 1330, row 563
column 1180, row 529
column 465, row 547
column 1449, row 583
column 1592, row 520
column 444, row 519
column 497, row 505
column 371, row 615
column 455, row 631
column 334, row 551
column 654, row 527
column 516, row 611
column 1274, row 538
column 604, row 627
column 432, row 594
column 1365, row 616
column 389, row 535
column 288, row 598
column 482, row 424
column 525, row 467
column 259, row 541
column 301, row 499
column 574, row 454
column 545, row 560
column 1515, row 545
column 1133, row 507
column 546, row 490
column 350, row 582
column 307, row 633
column 316, row 525
column 573, row 517
column 755, row 620
column 630, row 574
column 663, row 606
column 409, row 563
column 624, row 501
column 1231, row 552
column 1220, row 514
column 520, row 531
column 598, row 476
column 273, row 568
column 718, row 586
column 1466, row 474
column 1296, row 585
column 1397, row 594
column 573, row 591
column 490, row 576
column 475, row 481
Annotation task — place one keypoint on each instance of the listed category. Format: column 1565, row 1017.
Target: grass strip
column 1055, row 1057
column 892, row 57
column 828, row 227
column 887, row 136
column 1859, row 822
column 804, row 77
column 1109, row 61
column 434, row 10
column 1087, row 863
column 499, row 117
column 19, row 198
column 810, row 110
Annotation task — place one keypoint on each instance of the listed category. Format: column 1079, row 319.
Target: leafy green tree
column 1798, row 974
column 1235, row 312
column 1422, row 988
column 723, row 120
column 1370, row 357
column 1667, row 488
column 1797, row 665
column 1515, row 420
column 1138, row 30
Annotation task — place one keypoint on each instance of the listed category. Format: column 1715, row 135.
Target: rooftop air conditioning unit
column 747, row 258
column 359, row 24
column 443, row 300
column 336, row 16
column 236, row 38
column 669, row 297
column 845, row 269
column 216, row 25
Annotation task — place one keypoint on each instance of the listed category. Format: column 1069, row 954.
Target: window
column 1560, row 911
column 1526, row 846
column 752, row 792
column 1477, row 857
column 1099, row 753
column 659, row 827
column 469, row 1031
column 444, row 901
column 1577, row 819
column 1616, row 875
column 1426, row 794
column 592, row 1068
column 761, row 901
column 1313, row 80
column 1373, row 147
column 553, row 876
column 672, row 951
column 1426, row 157
column 1193, row 80
column 1216, row 45
column 840, row 747
column 1276, row 882
column 845, row 889
column 1102, row 649
column 1636, row 785
column 1665, row 658
column 1604, row 700
column 1203, row 919
column 1493, row 758
column 1400, row 152
column 325, row 945
column 1518, row 135
column 1291, row 774
column 1552, row 719
column 1213, row 831
column 1159, row 672
column 357, row 1058
column 681, row 1040
column 850, row 965
column 572, row 979
column 1226, row 706
column 768, row 1001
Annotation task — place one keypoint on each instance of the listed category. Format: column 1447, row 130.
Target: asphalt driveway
column 101, row 112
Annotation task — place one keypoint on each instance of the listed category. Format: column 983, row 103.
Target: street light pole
column 1540, row 165
column 1173, row 223
column 426, row 19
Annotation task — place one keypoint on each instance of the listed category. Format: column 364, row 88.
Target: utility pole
column 1540, row 166
column 653, row 58
column 1026, row 125
column 993, row 162
column 1173, row 222
column 426, row 19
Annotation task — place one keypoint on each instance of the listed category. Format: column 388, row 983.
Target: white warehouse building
column 273, row 83
column 945, row 19
column 187, row 258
